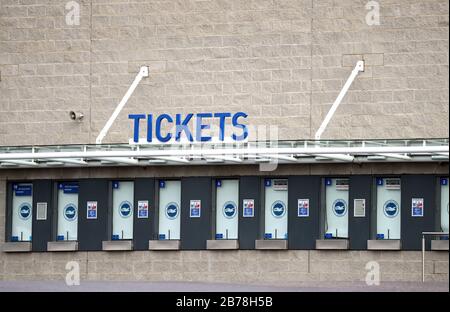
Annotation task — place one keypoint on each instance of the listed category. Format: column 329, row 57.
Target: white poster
column 417, row 207
column 303, row 208
column 248, row 208
column 195, row 208
column 91, row 210
column 142, row 209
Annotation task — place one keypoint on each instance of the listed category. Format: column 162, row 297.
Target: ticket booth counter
column 169, row 216
column 388, row 215
column 334, row 223
column 443, row 219
column 66, row 218
column 121, row 217
column 226, row 215
column 275, row 215
column 21, row 202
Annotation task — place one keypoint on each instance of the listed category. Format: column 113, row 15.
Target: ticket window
column 67, row 212
column 227, row 198
column 22, row 203
column 444, row 204
column 388, row 208
column 169, row 210
column 336, row 199
column 276, row 198
column 123, row 197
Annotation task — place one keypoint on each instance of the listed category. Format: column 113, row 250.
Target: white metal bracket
column 358, row 68
column 143, row 73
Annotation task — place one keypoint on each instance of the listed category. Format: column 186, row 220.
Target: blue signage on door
column 69, row 188
column 22, row 189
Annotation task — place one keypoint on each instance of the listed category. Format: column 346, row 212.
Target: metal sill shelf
column 388, row 244
column 172, row 244
column 16, row 247
column 222, row 244
column 271, row 244
column 118, row 245
column 332, row 244
column 62, row 246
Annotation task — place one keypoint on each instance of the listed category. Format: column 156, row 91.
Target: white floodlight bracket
column 143, row 73
column 358, row 68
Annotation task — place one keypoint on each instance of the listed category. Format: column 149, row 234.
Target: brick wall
column 281, row 61
column 262, row 267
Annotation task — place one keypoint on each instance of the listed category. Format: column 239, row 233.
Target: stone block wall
column 281, row 61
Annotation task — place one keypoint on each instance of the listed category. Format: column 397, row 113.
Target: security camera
column 76, row 115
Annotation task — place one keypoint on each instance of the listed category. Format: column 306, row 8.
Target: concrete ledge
column 16, row 247
column 384, row 244
column 220, row 244
column 270, row 244
column 168, row 244
column 117, row 245
column 439, row 245
column 332, row 244
column 62, row 246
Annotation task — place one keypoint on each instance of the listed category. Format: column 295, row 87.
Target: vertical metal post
column 423, row 258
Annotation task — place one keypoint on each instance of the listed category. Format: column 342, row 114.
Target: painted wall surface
column 281, row 61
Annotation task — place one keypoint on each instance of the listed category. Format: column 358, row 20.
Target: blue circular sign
column 125, row 209
column 339, row 207
column 278, row 209
column 390, row 209
column 70, row 212
column 229, row 210
column 25, row 211
column 172, row 210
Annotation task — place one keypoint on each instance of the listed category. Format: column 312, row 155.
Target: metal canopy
column 217, row 153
